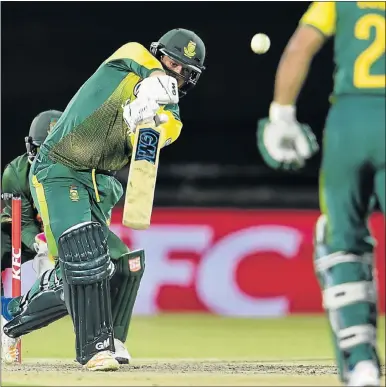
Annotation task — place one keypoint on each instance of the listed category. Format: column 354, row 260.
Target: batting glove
column 141, row 110
column 162, row 88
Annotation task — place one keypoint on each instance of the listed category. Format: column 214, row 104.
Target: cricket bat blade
column 142, row 178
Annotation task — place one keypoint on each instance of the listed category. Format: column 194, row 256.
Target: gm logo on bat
column 148, row 140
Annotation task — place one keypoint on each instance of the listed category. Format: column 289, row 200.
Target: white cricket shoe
column 102, row 361
column 8, row 346
column 364, row 374
column 121, row 353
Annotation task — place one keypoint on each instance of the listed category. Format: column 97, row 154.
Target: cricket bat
column 142, row 176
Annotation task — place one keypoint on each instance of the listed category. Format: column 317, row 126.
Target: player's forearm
column 291, row 74
column 295, row 63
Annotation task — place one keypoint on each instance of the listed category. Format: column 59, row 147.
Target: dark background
column 50, row 48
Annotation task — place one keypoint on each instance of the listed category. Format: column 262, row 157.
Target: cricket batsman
column 73, row 185
column 352, row 171
column 34, row 246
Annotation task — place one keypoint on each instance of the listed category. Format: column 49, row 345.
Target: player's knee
column 320, row 231
column 84, row 255
column 340, row 236
column 320, row 241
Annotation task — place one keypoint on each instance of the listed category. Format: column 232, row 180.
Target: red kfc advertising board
column 232, row 262
column 243, row 263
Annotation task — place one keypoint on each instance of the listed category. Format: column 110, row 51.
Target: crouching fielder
column 353, row 167
column 33, row 246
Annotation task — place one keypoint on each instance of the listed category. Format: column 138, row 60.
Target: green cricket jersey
column 359, row 44
column 91, row 133
column 15, row 180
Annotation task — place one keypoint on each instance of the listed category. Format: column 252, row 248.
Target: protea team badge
column 74, row 195
column 190, row 49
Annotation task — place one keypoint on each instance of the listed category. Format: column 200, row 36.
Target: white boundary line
column 194, row 360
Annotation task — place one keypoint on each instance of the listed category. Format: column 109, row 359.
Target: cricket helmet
column 41, row 125
column 186, row 48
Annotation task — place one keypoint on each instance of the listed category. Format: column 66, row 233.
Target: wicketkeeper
column 33, row 244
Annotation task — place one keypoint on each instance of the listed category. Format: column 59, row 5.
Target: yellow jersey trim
column 322, row 16
column 137, row 53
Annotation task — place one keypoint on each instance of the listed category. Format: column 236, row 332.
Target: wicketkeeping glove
column 283, row 142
